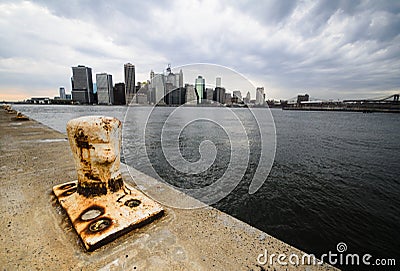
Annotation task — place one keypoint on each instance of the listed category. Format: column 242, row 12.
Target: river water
column 335, row 177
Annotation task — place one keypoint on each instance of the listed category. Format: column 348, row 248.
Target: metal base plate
column 102, row 219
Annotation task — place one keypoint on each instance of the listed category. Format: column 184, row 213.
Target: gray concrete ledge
column 37, row 235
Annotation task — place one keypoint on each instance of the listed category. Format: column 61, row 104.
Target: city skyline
column 334, row 50
column 166, row 87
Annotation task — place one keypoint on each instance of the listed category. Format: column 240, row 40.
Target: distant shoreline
column 149, row 105
column 371, row 108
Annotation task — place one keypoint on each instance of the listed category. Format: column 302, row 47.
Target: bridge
column 394, row 98
column 389, row 103
column 306, row 99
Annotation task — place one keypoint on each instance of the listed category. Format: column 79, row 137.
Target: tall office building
column 171, row 79
column 180, row 79
column 209, row 95
column 260, row 96
column 191, row 95
column 129, row 72
column 82, row 85
column 218, row 82
column 176, row 96
column 119, row 94
column 104, row 88
column 219, row 95
column 157, row 89
column 246, row 100
column 62, row 93
column 200, row 86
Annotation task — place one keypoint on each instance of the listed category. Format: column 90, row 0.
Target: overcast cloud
column 330, row 49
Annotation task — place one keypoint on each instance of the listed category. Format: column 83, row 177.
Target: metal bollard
column 99, row 204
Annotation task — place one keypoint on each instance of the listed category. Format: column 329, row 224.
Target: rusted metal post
column 99, row 204
column 96, row 144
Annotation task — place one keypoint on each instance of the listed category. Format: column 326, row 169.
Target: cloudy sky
column 330, row 49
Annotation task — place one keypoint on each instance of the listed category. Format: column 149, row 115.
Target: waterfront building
column 104, row 88
column 151, row 95
column 62, row 93
column 39, row 100
column 260, row 96
column 209, row 95
column 80, row 96
column 142, row 95
column 191, row 95
column 82, row 85
column 200, row 85
column 228, row 99
column 247, row 99
column 168, row 88
column 303, row 98
column 157, row 88
column 119, row 94
column 176, row 96
column 219, row 95
column 129, row 75
column 173, row 80
column 238, row 95
column 235, row 100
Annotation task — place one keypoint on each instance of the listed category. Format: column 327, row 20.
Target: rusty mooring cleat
column 20, row 116
column 100, row 205
column 9, row 109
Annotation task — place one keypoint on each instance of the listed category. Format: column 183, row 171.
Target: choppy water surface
column 335, row 178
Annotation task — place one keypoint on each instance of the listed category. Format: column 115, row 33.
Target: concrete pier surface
column 37, row 235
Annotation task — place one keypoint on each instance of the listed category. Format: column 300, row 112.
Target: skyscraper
column 209, row 94
column 219, row 95
column 218, row 82
column 172, row 79
column 260, row 96
column 104, row 88
column 119, row 94
column 157, row 89
column 191, row 96
column 200, row 86
column 62, row 93
column 129, row 72
column 82, row 85
column 176, row 96
column 247, row 99
column 181, row 78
